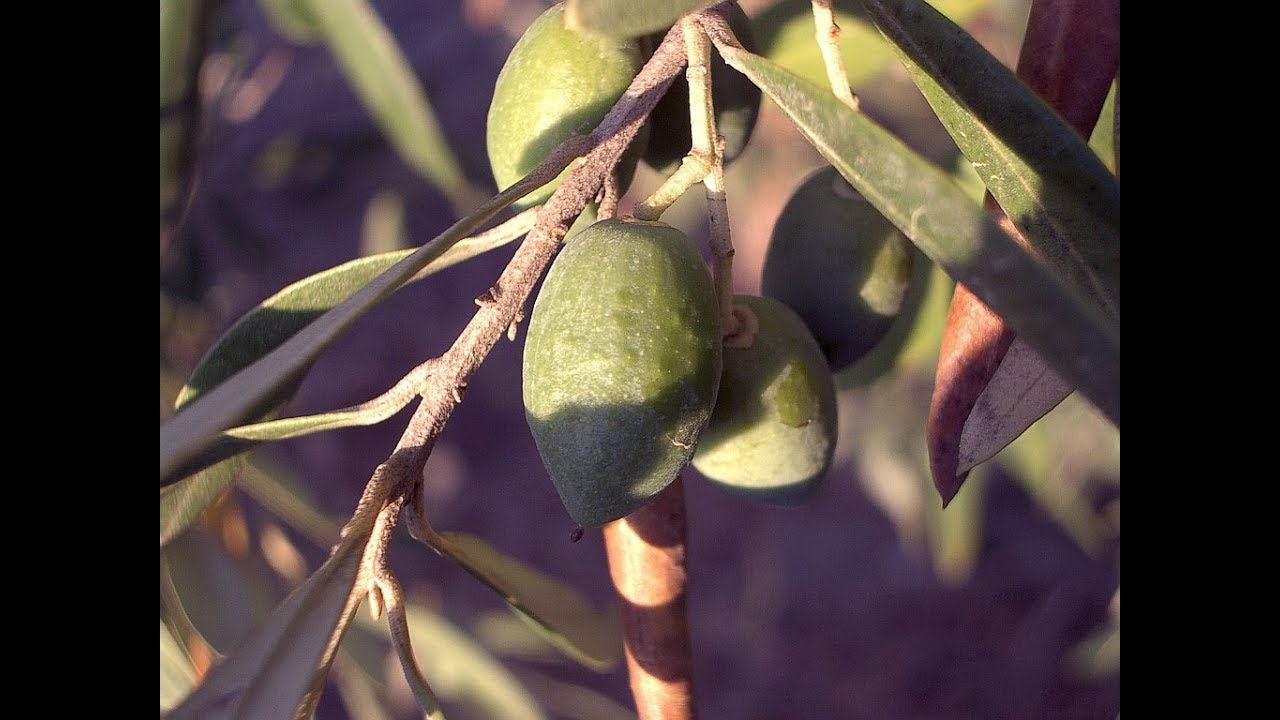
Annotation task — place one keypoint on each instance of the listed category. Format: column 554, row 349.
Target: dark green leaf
column 286, row 658
column 556, row 610
column 628, row 18
column 1043, row 174
column 1064, row 326
column 273, row 366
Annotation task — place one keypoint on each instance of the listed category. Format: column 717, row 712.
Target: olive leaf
column 285, row 659
column 1023, row 389
column 263, row 358
column 628, row 18
column 1060, row 322
column 1041, row 171
column 383, row 79
column 557, row 611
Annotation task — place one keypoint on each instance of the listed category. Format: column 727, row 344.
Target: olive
column 556, row 83
column 840, row 264
column 772, row 433
column 621, row 365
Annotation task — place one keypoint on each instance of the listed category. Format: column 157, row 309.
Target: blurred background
column 870, row 601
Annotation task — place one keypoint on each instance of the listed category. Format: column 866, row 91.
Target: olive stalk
column 827, row 33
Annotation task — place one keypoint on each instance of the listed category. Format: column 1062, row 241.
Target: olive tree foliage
column 1040, row 260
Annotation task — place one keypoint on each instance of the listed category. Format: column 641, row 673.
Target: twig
column 827, row 33
column 708, row 143
column 385, row 593
column 646, row 552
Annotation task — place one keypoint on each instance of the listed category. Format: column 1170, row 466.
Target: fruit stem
column 827, row 33
column 647, row 563
column 708, row 143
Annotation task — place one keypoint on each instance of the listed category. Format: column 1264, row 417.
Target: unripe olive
column 772, row 433
column 840, row 264
column 735, row 98
column 556, row 83
column 621, row 365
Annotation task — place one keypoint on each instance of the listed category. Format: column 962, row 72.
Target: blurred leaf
column 290, row 502
column 284, row 660
column 384, row 226
column 359, row 689
column 1102, row 140
column 265, row 355
column 461, row 671
column 628, row 18
column 1020, row 392
column 213, row 591
column 575, row 702
column 1052, row 186
column 385, row 82
column 955, row 535
column 559, row 612
column 177, row 676
column 178, row 24
column 507, row 634
column 182, row 502
column 956, row 233
column 293, row 19
column 1096, row 656
column 1058, row 458
column 787, row 37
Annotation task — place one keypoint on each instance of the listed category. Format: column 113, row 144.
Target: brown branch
column 646, row 553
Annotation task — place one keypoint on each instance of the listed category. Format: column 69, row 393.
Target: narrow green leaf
column 281, row 347
column 287, row 657
column 557, row 611
column 1064, row 327
column 1023, row 389
column 182, row 502
column 385, row 82
column 1043, row 174
column 177, row 677
column 628, row 18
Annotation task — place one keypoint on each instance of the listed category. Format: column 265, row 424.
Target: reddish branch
column 647, row 563
column 1069, row 56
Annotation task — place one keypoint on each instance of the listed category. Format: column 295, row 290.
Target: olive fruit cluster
column 556, row 83
column 621, row 365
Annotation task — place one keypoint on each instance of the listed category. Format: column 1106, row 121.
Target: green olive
column 841, row 265
column 773, row 430
column 621, row 365
column 735, row 98
column 556, row 83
